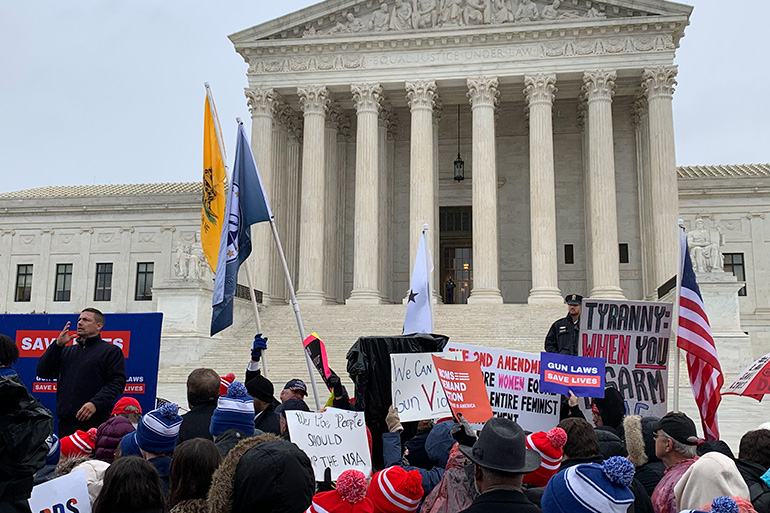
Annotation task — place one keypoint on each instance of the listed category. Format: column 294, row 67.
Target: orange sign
column 464, row 388
column 33, row 343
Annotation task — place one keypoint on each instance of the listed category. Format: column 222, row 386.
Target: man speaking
column 91, row 374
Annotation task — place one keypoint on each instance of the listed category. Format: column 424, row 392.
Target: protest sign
column 316, row 350
column 464, row 387
column 512, row 379
column 754, row 381
column 137, row 334
column 415, row 389
column 68, row 493
column 334, row 438
column 633, row 338
column 562, row 374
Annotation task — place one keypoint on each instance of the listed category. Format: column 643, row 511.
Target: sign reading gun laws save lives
column 512, row 379
column 414, row 386
column 334, row 438
column 633, row 338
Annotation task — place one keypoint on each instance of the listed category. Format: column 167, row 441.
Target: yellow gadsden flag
column 214, row 178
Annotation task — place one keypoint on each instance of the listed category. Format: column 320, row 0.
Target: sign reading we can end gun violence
column 633, row 338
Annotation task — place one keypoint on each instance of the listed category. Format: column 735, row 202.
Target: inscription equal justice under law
column 510, row 52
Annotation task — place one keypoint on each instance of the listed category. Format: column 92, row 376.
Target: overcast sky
column 96, row 91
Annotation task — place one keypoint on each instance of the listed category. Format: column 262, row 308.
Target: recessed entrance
column 456, row 239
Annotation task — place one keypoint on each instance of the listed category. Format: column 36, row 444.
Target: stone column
column 421, row 98
column 483, row 96
column 122, row 273
column 385, row 260
column 45, row 275
column 434, row 227
column 292, row 202
column 658, row 85
column 7, row 273
column 331, row 200
column 600, row 87
column 539, row 91
column 83, row 272
column 342, row 161
column 641, row 124
column 277, row 286
column 366, row 243
column 314, row 101
column 260, row 102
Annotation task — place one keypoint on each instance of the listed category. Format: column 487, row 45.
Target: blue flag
column 246, row 204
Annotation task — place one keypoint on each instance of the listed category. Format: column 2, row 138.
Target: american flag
column 694, row 337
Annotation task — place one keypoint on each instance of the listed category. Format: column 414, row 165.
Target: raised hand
column 64, row 337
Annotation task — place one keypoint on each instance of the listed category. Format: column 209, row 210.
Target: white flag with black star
column 419, row 316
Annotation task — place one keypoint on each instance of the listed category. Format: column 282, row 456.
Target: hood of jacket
column 439, row 443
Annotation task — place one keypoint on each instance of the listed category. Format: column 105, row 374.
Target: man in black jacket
column 564, row 334
column 91, row 374
column 753, row 461
column 202, row 395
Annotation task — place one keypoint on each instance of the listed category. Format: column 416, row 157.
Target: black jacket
column 758, row 489
column 195, row 423
column 502, row 501
column 267, row 421
column 610, row 444
column 229, row 439
column 92, row 370
column 563, row 337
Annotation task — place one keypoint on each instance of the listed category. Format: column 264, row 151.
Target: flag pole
column 428, row 272
column 677, row 357
column 256, row 314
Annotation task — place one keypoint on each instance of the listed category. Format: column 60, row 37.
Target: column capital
column 421, row 94
column 314, row 99
column 367, row 97
column 335, row 117
column 540, row 88
column 599, row 84
column 482, row 91
column 260, row 100
column 659, row 81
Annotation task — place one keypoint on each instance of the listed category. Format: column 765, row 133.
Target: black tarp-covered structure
column 369, row 368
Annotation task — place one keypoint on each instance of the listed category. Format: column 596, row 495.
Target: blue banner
column 562, row 374
column 137, row 334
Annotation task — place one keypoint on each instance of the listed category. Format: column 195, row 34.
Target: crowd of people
column 232, row 452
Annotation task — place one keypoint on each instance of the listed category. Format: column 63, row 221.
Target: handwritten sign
column 464, row 387
column 65, row 493
column 415, row 389
column 633, row 339
column 562, row 374
column 334, row 438
column 512, row 379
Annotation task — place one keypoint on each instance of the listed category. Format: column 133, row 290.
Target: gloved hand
column 336, row 385
column 260, row 343
column 393, row 421
column 463, row 432
column 326, row 485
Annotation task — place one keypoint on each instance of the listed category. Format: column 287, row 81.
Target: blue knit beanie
column 128, row 445
column 591, row 487
column 235, row 410
column 718, row 505
column 158, row 431
column 54, row 450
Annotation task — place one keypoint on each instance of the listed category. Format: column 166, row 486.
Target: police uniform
column 564, row 334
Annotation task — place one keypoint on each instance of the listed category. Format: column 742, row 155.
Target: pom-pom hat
column 158, row 431
column 79, row 443
column 349, row 497
column 224, row 383
column 591, row 487
column 549, row 446
column 54, row 450
column 235, row 410
column 394, row 490
column 128, row 446
column 719, row 505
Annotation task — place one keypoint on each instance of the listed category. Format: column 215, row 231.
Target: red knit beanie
column 349, row 497
column 224, row 383
column 549, row 446
column 394, row 490
column 79, row 443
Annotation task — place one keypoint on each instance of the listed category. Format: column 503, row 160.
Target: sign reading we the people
column 334, row 439
column 512, row 380
column 415, row 389
column 633, row 338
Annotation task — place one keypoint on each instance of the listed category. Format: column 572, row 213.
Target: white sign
column 334, row 438
column 512, row 379
column 415, row 390
column 67, row 493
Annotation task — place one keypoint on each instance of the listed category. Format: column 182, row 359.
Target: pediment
column 349, row 19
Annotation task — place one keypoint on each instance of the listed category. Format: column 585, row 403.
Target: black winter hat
column 261, row 388
column 272, row 477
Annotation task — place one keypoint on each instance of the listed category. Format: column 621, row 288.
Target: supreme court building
column 561, row 113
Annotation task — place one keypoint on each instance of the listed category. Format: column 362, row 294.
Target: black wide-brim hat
column 502, row 446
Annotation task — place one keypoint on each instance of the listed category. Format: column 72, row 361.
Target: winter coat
column 195, row 423
column 191, row 506
column 563, row 337
column 640, row 446
column 268, row 421
column 758, row 489
column 502, row 501
column 24, row 426
column 108, row 437
column 712, row 475
column 90, row 371
column 163, row 465
column 229, row 439
column 94, row 470
column 610, row 443
column 369, row 368
column 456, row 491
column 264, row 474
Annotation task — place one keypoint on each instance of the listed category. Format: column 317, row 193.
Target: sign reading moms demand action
column 633, row 339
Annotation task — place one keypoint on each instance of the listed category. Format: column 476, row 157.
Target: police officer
column 564, row 334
